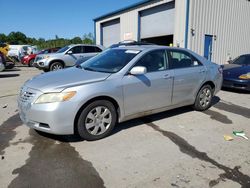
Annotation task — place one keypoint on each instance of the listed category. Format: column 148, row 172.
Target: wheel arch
column 57, row 60
column 108, row 98
column 209, row 83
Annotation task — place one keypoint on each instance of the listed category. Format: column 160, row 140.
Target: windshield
column 43, row 52
column 63, row 49
column 242, row 60
column 110, row 61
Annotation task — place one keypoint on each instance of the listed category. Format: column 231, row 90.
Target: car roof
column 73, row 45
column 148, row 47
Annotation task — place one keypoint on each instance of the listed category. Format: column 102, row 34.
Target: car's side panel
column 147, row 92
column 187, row 82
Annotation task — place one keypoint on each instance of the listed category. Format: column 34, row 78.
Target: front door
column 152, row 90
column 77, row 53
column 208, row 47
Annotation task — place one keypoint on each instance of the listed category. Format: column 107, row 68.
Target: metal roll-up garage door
column 157, row 21
column 110, row 32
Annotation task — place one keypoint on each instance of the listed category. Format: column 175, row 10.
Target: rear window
column 92, row 49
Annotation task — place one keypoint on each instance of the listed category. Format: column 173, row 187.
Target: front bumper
column 25, row 61
column 54, row 118
column 41, row 64
column 237, row 84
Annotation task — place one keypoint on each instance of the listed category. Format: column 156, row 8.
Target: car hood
column 234, row 70
column 59, row 80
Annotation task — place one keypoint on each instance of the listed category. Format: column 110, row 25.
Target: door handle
column 202, row 71
column 167, row 76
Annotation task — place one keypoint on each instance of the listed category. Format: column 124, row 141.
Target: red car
column 29, row 59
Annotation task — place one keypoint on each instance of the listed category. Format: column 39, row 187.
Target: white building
column 216, row 29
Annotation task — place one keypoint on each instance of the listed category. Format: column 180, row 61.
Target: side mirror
column 69, row 52
column 139, row 70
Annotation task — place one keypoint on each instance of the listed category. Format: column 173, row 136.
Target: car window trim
column 165, row 66
column 185, row 53
column 71, row 49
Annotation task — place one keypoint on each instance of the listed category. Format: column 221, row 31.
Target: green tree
column 41, row 43
column 17, row 38
column 3, row 37
column 88, row 38
column 76, row 40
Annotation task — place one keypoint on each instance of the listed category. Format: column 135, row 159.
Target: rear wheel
column 56, row 66
column 97, row 120
column 204, row 98
column 31, row 63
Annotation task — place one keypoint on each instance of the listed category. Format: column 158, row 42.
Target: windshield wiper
column 79, row 66
column 89, row 69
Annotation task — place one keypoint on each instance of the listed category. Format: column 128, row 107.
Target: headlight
column 44, row 57
column 245, row 76
column 55, row 97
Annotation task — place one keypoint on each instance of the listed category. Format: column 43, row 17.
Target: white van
column 19, row 51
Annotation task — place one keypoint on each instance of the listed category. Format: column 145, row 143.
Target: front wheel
column 31, row 63
column 97, row 120
column 204, row 98
column 56, row 66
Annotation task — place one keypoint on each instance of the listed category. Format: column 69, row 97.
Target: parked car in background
column 117, row 85
column 30, row 59
column 17, row 52
column 129, row 43
column 2, row 64
column 66, row 57
column 237, row 74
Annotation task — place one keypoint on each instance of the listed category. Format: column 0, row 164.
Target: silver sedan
column 117, row 85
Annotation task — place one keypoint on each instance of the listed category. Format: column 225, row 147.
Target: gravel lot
column 177, row 148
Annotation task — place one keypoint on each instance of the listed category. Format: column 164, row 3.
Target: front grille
column 26, row 96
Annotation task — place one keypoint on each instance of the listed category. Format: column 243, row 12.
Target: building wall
column 228, row 20
column 180, row 23
column 129, row 21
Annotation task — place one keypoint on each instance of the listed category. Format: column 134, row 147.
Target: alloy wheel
column 205, row 97
column 56, row 67
column 98, row 120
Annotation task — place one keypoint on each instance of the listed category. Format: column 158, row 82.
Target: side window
column 154, row 61
column 181, row 59
column 77, row 50
column 89, row 49
column 97, row 49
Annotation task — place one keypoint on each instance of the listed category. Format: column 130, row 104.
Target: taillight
column 220, row 69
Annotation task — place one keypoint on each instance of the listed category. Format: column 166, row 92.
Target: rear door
column 152, row 90
column 90, row 51
column 189, row 74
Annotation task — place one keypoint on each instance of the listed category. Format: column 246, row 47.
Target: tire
column 204, row 98
column 56, row 66
column 97, row 120
column 31, row 62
